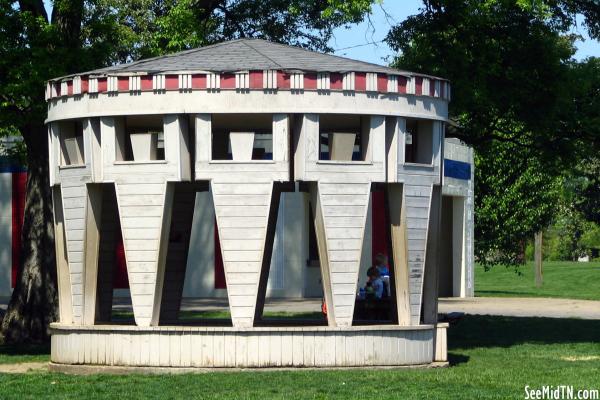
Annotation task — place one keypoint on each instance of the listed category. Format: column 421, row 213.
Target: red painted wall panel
column 402, row 83
column 380, row 240
column 171, row 82
column 382, row 81
column 102, row 85
column 123, row 84
column 199, row 81
column 220, row 282
column 120, row 279
column 418, row 86
column 360, row 81
column 310, row 81
column 70, row 88
column 256, row 79
column 227, row 81
column 283, row 80
column 146, row 82
column 84, row 84
column 19, row 189
column 335, row 81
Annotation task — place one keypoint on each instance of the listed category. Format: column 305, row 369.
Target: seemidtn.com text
column 560, row 392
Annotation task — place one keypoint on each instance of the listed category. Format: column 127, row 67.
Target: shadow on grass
column 497, row 331
column 24, row 350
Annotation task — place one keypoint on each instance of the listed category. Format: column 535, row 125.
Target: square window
column 242, row 137
column 418, row 141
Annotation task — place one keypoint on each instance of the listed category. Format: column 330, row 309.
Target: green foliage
column 530, row 111
column 513, row 198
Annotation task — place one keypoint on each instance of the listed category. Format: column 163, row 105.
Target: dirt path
column 21, row 368
column 523, row 307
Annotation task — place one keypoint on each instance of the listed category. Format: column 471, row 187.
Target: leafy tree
column 520, row 99
column 81, row 35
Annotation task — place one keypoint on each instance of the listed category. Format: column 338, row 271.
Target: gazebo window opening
column 418, row 142
column 343, row 137
column 142, row 139
column 242, row 137
column 71, row 143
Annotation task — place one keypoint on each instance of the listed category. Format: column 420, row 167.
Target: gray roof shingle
column 247, row 54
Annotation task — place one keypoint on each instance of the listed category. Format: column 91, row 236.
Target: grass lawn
column 572, row 280
column 492, row 357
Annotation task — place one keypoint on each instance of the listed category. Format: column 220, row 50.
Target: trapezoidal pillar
column 340, row 212
column 416, row 207
column 145, row 220
column 242, row 211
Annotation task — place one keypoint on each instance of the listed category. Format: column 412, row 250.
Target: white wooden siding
column 417, row 203
column 209, row 347
column 344, row 208
column 141, row 217
column 74, row 201
column 242, row 232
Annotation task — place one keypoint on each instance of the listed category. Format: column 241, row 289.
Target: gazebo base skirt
column 258, row 347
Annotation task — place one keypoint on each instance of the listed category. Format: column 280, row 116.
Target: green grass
column 572, row 280
column 19, row 354
column 492, row 357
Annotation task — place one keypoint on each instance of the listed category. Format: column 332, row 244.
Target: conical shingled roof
column 247, row 54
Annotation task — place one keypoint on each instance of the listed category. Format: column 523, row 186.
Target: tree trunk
column 538, row 260
column 34, row 301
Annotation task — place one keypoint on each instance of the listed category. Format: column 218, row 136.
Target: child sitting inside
column 381, row 263
column 375, row 284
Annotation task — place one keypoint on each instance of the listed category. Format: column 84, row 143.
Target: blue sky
column 368, row 37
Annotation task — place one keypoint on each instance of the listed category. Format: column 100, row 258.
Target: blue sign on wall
column 457, row 169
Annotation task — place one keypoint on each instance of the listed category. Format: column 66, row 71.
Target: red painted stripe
column 102, row 85
column 57, row 89
column 227, row 81
column 70, row 88
column 146, row 82
column 123, row 84
column 310, row 81
column 19, row 190
column 418, row 85
column 199, row 81
column 84, row 84
column 171, row 82
column 360, row 81
column 256, row 79
column 402, row 83
column 382, row 83
column 283, row 80
column 220, row 282
column 379, row 243
column 335, row 81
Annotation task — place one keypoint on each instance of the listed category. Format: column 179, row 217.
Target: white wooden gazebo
column 132, row 145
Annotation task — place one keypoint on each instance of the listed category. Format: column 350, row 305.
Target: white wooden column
column 65, row 301
column 417, row 203
column 145, row 215
column 340, row 211
column 242, row 211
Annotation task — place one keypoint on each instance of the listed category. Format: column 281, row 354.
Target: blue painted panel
column 457, row 169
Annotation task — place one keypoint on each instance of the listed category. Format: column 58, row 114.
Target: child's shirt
column 383, row 270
